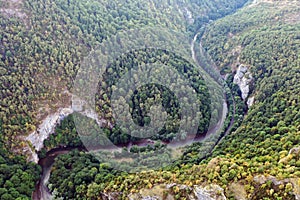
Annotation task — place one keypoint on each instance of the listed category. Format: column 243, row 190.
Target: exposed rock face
column 250, row 101
column 209, row 192
column 47, row 127
column 155, row 193
column 238, row 190
column 110, row 196
column 295, row 182
column 32, row 155
column 140, row 197
column 292, row 153
column 188, row 15
column 13, row 8
column 243, row 78
column 81, row 106
column 261, row 179
column 295, row 150
column 150, row 198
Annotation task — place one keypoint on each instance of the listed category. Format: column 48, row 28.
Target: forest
column 42, row 44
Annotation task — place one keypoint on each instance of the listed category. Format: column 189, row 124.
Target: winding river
column 42, row 191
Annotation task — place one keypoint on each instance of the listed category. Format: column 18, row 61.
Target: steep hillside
column 260, row 160
column 264, row 38
column 256, row 48
column 42, row 44
column 41, row 52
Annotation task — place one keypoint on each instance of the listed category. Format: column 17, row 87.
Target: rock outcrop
column 243, row 78
column 159, row 192
column 187, row 14
column 209, row 192
column 13, row 8
column 47, row 127
column 261, row 179
column 294, row 152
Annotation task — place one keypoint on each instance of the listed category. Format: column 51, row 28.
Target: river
column 42, row 191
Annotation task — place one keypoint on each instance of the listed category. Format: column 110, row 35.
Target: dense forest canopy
column 49, row 43
column 43, row 43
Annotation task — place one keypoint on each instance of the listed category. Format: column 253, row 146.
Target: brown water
column 41, row 190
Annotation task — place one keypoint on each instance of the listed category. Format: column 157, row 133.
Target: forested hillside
column 49, row 42
column 265, row 38
column 42, row 44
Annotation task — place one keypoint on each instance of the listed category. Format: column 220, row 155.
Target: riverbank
column 41, row 189
column 46, row 163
